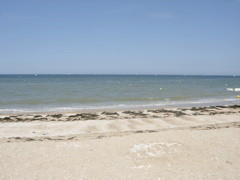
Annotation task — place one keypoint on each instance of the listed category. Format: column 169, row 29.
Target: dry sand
column 175, row 143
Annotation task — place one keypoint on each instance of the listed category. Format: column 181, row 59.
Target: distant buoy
column 160, row 89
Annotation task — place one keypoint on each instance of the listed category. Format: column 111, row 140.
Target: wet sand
column 170, row 143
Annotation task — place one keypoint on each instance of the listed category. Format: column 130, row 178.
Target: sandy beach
column 167, row 143
column 120, row 90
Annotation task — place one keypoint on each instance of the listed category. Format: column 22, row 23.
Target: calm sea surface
column 43, row 93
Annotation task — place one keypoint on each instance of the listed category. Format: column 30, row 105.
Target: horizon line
column 133, row 74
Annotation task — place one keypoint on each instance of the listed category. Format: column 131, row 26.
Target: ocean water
column 50, row 93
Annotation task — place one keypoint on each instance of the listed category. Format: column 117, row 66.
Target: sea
column 35, row 93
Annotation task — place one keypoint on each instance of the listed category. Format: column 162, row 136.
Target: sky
column 190, row 37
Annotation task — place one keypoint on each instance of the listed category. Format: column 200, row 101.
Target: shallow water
column 42, row 93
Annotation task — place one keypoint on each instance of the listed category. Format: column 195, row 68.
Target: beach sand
column 169, row 143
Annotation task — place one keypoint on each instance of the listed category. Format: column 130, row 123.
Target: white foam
column 230, row 89
column 165, row 103
column 233, row 89
column 237, row 89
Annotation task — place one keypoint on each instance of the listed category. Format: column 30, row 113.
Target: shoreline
column 122, row 108
column 89, row 114
column 65, row 124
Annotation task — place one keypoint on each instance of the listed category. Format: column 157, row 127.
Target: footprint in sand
column 114, row 126
column 92, row 128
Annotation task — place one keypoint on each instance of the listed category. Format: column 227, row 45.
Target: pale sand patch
column 179, row 146
column 179, row 154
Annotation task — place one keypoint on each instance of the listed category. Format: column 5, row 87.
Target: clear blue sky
column 118, row 37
